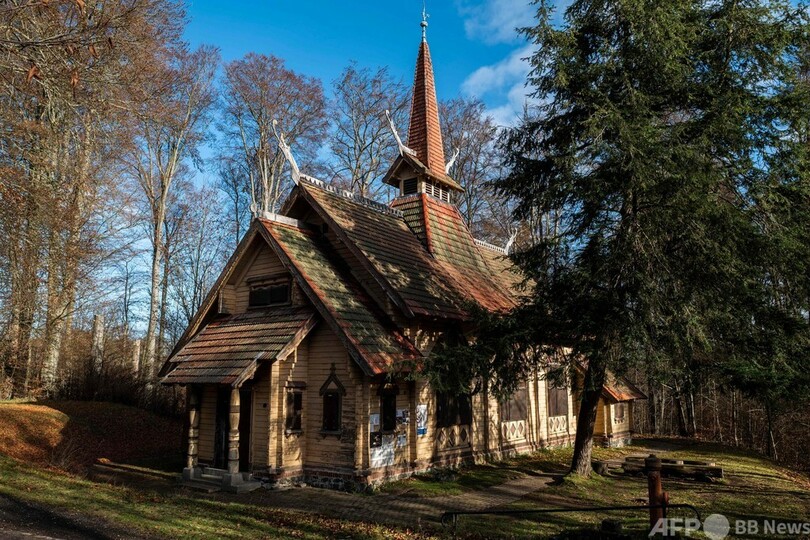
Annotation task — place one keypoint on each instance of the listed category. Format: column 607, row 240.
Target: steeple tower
column 425, row 132
column 421, row 167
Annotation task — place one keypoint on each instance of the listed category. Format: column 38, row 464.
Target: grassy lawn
column 753, row 488
column 172, row 514
column 446, row 482
column 38, row 442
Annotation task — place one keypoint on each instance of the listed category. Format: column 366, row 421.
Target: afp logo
column 715, row 527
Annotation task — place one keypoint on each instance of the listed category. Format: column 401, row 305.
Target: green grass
column 447, row 482
column 171, row 514
column 753, row 488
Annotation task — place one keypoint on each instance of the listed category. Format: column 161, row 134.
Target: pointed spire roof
column 424, row 132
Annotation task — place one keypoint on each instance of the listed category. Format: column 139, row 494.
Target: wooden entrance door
column 222, row 427
column 245, row 406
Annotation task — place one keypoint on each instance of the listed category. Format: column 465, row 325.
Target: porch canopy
column 619, row 389
column 229, row 349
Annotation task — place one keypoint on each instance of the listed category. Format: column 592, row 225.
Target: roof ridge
column 350, row 196
column 491, row 247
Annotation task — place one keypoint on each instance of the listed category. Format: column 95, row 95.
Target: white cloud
column 509, row 113
column 502, row 85
column 497, row 76
column 495, row 21
column 503, row 82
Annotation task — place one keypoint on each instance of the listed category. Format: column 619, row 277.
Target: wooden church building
column 293, row 363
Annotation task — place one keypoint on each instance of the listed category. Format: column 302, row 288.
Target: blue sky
column 474, row 47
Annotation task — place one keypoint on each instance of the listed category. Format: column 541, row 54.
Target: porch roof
column 620, row 389
column 228, row 350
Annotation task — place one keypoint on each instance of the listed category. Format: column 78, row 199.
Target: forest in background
column 110, row 242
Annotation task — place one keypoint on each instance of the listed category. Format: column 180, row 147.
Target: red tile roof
column 229, row 349
column 424, row 132
column 440, row 226
column 370, row 337
column 384, row 243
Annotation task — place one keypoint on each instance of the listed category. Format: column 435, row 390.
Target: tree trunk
column 652, row 418
column 97, row 352
column 771, row 442
column 148, row 362
column 586, row 420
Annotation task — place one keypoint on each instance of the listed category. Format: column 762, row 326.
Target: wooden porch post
column 233, row 435
column 193, row 426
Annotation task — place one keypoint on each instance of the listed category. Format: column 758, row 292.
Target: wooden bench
column 634, row 465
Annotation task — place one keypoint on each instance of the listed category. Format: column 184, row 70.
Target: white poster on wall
column 383, row 455
column 421, row 419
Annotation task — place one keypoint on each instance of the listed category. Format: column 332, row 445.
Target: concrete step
column 211, row 477
column 244, row 487
column 211, row 471
column 202, row 485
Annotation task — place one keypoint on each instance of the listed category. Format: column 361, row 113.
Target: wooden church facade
column 297, row 364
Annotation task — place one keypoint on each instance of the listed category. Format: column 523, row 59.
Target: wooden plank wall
column 261, row 418
column 292, row 447
column 425, row 445
column 262, row 263
column 208, row 412
column 324, row 349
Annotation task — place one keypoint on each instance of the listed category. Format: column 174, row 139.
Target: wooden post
column 193, row 426
column 655, row 492
column 233, row 435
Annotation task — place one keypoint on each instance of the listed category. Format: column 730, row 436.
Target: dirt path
column 400, row 510
column 18, row 521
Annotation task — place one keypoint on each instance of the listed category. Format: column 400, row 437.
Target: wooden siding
column 262, row 263
column 208, row 412
column 325, row 349
column 261, row 418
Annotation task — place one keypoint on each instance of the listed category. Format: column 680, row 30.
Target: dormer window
column 276, row 293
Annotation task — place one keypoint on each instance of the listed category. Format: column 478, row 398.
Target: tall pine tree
column 661, row 133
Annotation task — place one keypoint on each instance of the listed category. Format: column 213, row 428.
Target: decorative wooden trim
column 332, row 379
column 282, row 354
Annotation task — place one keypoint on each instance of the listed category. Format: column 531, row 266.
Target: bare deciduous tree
column 361, row 143
column 171, row 126
column 259, row 90
column 468, row 129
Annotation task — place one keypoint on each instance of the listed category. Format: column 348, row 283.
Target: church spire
column 424, row 132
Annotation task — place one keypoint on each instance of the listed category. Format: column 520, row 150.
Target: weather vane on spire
column 424, row 23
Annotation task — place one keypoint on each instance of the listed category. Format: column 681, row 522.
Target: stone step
column 244, row 487
column 202, row 485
